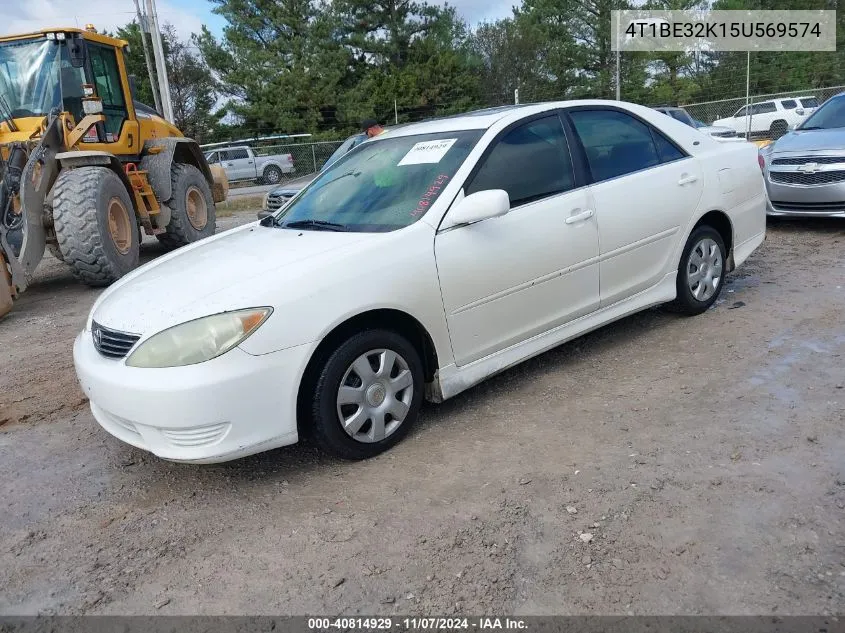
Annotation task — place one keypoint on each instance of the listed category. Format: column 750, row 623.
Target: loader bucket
column 220, row 190
column 5, row 287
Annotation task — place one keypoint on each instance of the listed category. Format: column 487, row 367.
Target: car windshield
column 349, row 144
column 382, row 185
column 830, row 115
column 699, row 124
column 31, row 75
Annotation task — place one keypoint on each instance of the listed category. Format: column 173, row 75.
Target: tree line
column 319, row 66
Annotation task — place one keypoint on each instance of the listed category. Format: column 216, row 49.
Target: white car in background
column 415, row 267
column 722, row 134
column 772, row 118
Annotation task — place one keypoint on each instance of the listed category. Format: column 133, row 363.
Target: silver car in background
column 804, row 170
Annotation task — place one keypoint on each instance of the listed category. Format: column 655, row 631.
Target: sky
column 187, row 16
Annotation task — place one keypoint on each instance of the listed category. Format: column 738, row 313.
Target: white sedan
column 419, row 264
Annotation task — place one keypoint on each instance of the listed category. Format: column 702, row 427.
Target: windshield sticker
column 430, row 196
column 427, row 152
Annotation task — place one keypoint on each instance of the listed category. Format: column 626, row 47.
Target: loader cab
column 56, row 69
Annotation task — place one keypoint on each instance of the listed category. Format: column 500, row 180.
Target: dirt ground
column 704, row 456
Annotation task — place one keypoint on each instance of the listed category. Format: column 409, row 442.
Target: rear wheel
column 700, row 272
column 367, row 395
column 193, row 214
column 95, row 224
column 272, row 175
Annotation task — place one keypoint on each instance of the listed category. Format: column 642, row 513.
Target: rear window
column 810, row 102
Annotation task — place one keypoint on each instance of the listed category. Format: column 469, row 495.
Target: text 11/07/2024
column 417, row 624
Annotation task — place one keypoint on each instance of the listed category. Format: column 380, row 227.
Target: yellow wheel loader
column 84, row 168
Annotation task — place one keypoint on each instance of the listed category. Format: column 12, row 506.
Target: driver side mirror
column 481, row 205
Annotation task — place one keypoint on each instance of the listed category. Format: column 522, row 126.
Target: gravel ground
column 661, row 465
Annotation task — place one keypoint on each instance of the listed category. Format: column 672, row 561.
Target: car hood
column 289, row 190
column 240, row 269
column 810, row 141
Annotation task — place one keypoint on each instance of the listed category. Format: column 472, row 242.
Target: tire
column 700, row 243
column 271, row 175
column 193, row 214
column 377, row 392
column 95, row 223
column 778, row 129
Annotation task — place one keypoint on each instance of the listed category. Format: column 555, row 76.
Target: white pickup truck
column 241, row 163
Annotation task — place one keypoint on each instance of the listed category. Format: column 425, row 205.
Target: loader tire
column 55, row 251
column 193, row 215
column 95, row 225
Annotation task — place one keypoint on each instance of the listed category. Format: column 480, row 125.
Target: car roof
column 486, row 118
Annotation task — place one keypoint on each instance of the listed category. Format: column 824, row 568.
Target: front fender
column 174, row 149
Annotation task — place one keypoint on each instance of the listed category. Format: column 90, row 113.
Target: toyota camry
column 419, row 264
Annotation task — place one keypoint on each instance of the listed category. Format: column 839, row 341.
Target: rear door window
column 616, row 143
column 789, row 104
column 763, row 108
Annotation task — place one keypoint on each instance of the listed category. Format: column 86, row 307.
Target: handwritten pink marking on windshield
column 429, row 196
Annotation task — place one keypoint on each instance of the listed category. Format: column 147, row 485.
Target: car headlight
column 199, row 340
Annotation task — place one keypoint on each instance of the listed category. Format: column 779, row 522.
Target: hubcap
column 375, row 395
column 120, row 228
column 274, row 176
column 704, row 269
column 197, row 208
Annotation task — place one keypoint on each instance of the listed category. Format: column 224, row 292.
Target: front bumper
column 229, row 407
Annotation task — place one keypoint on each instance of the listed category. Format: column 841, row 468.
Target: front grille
column 803, row 160
column 112, row 343
column 274, row 202
column 802, row 178
column 810, row 207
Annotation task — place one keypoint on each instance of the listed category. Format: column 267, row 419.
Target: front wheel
column 778, row 129
column 700, row 272
column 367, row 395
column 96, row 228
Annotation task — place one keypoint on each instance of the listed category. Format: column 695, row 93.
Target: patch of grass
column 241, row 203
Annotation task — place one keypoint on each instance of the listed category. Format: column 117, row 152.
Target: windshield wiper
column 320, row 225
column 811, row 127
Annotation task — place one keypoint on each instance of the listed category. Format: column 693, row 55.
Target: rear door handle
column 580, row 217
column 687, row 180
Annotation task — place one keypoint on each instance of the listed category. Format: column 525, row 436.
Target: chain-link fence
column 307, row 158
column 758, row 117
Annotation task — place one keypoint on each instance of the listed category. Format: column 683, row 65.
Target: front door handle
column 687, row 180
column 580, row 217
